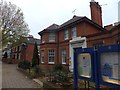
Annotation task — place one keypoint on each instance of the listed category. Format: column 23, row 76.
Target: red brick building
column 58, row 41
column 24, row 51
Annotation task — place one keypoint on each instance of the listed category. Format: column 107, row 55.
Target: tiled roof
column 32, row 40
column 77, row 19
column 52, row 27
column 74, row 19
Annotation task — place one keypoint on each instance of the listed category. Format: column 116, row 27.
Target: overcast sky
column 39, row 14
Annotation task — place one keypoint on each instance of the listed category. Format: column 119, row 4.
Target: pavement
column 12, row 78
column 0, row 74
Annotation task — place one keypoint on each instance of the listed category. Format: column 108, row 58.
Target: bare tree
column 12, row 23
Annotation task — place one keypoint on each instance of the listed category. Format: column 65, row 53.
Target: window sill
column 51, row 63
column 42, row 62
column 52, row 41
column 66, row 39
column 64, row 63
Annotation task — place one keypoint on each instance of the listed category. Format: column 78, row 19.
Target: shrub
column 59, row 73
column 58, row 67
column 24, row 64
column 37, row 69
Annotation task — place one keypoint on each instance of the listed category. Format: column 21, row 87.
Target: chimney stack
column 119, row 11
column 96, row 12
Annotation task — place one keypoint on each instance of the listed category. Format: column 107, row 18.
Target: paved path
column 12, row 78
column 0, row 74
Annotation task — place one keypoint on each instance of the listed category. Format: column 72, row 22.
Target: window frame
column 64, row 54
column 19, row 56
column 66, row 34
column 74, row 32
column 43, row 38
column 52, row 37
column 50, row 56
column 15, row 55
column 42, row 56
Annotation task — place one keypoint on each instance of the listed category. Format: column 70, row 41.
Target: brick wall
column 29, row 52
column 10, row 61
column 108, row 37
column 94, row 37
column 46, row 38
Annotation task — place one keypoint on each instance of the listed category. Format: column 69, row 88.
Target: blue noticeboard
column 100, row 65
column 84, row 68
column 109, row 59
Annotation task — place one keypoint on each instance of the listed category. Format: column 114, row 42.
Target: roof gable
column 71, row 22
column 74, row 19
column 77, row 19
column 100, row 28
column 51, row 28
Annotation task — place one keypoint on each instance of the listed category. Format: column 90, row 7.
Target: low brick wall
column 10, row 61
column 15, row 61
column 51, row 67
column 5, row 60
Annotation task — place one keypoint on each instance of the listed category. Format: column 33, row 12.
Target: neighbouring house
column 58, row 41
column 24, row 51
column 7, row 50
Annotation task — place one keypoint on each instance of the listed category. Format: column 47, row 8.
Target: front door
column 78, row 42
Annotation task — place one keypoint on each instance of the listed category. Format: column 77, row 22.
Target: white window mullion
column 66, row 34
column 74, row 32
column 42, row 56
column 19, row 56
column 51, row 56
column 64, row 56
column 51, row 37
column 43, row 39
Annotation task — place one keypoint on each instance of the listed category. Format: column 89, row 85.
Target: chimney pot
column 92, row 0
column 74, row 16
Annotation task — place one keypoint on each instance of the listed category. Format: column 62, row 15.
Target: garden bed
column 50, row 81
column 55, row 85
column 47, row 83
column 57, row 78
